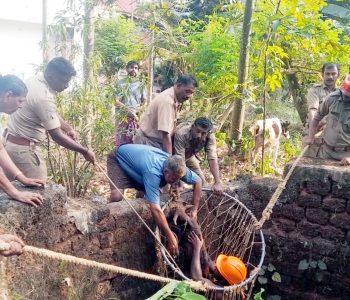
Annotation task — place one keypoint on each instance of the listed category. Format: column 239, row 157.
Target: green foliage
column 89, row 110
column 258, row 296
column 312, row 264
column 117, row 41
column 176, row 290
column 267, row 272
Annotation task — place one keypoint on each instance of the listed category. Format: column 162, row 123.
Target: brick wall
column 90, row 229
column 308, row 236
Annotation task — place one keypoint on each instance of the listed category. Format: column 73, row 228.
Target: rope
column 198, row 286
column 268, row 209
column 139, row 216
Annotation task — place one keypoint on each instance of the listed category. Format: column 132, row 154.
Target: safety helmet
column 231, row 268
column 345, row 86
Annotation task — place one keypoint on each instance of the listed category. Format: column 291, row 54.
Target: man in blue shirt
column 147, row 168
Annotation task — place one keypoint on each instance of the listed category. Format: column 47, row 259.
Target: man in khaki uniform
column 12, row 97
column 189, row 140
column 318, row 92
column 159, row 120
column 28, row 125
column 315, row 97
column 336, row 135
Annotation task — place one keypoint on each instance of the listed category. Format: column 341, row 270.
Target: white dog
column 274, row 129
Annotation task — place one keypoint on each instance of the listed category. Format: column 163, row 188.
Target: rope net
column 228, row 227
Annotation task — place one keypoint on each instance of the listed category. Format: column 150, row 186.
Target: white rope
column 196, row 285
column 268, row 209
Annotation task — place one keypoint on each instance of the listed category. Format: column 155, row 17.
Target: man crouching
column 147, row 169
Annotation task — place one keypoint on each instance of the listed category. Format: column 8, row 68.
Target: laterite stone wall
column 308, row 236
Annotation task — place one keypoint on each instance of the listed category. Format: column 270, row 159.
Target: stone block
column 262, row 188
column 317, row 215
column 319, row 187
column 336, row 205
column 306, row 199
column 285, row 224
column 106, row 240
column 332, row 233
column 348, row 207
column 290, row 211
column 308, row 229
column 341, row 220
column 341, row 190
column 324, row 247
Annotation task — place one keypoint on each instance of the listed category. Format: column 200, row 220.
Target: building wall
column 20, row 50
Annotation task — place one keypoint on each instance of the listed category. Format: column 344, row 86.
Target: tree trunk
column 238, row 108
column 45, row 45
column 151, row 66
column 89, row 39
column 299, row 99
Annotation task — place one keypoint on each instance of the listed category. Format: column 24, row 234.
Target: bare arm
column 167, row 144
column 214, row 169
column 313, row 129
column 197, row 195
column 68, row 129
column 66, row 142
column 196, row 270
column 10, row 168
column 25, row 197
column 64, row 125
column 162, row 223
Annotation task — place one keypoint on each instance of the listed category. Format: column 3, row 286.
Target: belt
column 20, row 140
column 338, row 148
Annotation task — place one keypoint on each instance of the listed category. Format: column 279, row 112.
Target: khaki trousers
column 29, row 159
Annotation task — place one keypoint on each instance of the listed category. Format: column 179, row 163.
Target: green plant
column 89, row 110
column 258, row 296
column 176, row 290
column 267, row 272
column 117, row 41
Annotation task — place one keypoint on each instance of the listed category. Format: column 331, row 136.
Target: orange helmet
column 231, row 268
column 345, row 86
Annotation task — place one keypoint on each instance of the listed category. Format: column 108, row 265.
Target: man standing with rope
column 147, row 168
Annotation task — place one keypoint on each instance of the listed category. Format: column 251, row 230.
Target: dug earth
column 307, row 240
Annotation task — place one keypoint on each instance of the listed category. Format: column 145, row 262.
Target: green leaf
column 271, row 268
column 313, row 264
column 261, row 272
column 262, row 280
column 275, row 24
column 192, row 296
column 258, row 296
column 303, row 265
column 165, row 291
column 276, row 277
column 321, row 265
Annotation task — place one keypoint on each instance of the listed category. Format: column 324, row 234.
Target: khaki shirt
column 316, row 95
column 160, row 115
column 38, row 114
column 184, row 145
column 337, row 131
